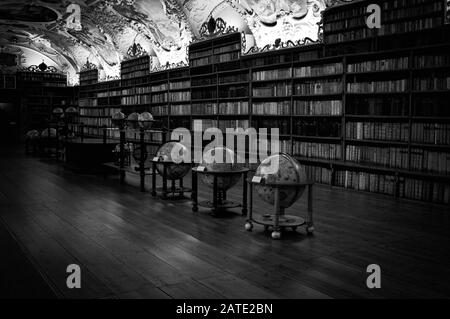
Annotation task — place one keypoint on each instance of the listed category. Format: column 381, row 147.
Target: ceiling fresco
column 39, row 30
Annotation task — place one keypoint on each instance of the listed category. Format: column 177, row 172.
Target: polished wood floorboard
column 130, row 245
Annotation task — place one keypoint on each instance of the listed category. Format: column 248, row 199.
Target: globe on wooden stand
column 169, row 163
column 220, row 171
column 280, row 181
column 32, row 140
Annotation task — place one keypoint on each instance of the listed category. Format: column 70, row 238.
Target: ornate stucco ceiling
column 38, row 29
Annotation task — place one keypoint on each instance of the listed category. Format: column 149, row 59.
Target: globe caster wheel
column 248, row 226
column 310, row 230
column 276, row 235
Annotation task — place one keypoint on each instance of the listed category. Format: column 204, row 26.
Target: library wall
column 360, row 111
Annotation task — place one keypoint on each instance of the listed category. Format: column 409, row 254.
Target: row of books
column 107, row 111
column 353, row 35
column 377, row 105
column 200, row 61
column 319, row 175
column 317, row 150
column 398, row 132
column 102, row 94
column 180, row 109
column 272, row 108
column 87, row 102
column 362, row 181
column 41, row 77
column 269, row 60
column 410, row 26
column 233, row 78
column 390, row 157
column 283, row 126
column 201, row 125
column 7, row 81
column 399, row 12
column 204, row 108
column 180, row 85
column 278, row 89
column 429, row 161
column 400, row 63
column 134, row 74
column 160, row 110
column 233, row 124
column 180, row 96
column 423, row 190
column 426, row 7
column 135, row 68
column 202, row 81
column 136, row 99
column 200, row 53
column 430, row 105
column 378, row 86
column 104, row 101
column 233, row 91
column 160, row 87
column 407, row 187
column 200, row 94
column 96, row 121
column 432, row 83
column 431, row 133
column 322, row 127
column 432, row 60
column 237, row 108
column 159, row 98
column 130, row 91
column 272, row 74
column 227, row 57
column 88, row 77
column 227, row 48
column 318, row 87
column 339, row 25
column 319, row 70
column 332, row 107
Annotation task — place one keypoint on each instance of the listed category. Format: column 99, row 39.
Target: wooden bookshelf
column 40, row 93
column 367, row 113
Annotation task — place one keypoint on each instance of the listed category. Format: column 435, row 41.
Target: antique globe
column 173, row 152
column 58, row 111
column 284, row 169
column 32, row 135
column 146, row 120
column 133, row 121
column 221, row 159
column 49, row 133
column 71, row 114
column 118, row 119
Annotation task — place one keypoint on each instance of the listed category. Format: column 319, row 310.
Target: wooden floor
column 130, row 245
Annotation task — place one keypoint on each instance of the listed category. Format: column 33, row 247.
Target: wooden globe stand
column 166, row 192
column 219, row 201
column 279, row 220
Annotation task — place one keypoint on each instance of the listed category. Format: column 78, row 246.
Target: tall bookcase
column 40, row 93
column 365, row 110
